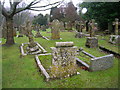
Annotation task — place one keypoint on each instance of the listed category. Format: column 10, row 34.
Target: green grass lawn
column 23, row 73
column 104, row 41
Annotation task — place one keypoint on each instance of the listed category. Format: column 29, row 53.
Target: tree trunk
column 10, row 36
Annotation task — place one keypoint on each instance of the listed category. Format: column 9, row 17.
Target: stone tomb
column 98, row 63
column 63, row 59
column 55, row 29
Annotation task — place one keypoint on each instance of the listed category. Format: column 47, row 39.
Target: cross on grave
column 28, row 29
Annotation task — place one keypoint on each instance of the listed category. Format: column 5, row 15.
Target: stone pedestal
column 79, row 35
column 33, row 50
column 63, row 59
column 115, row 39
column 91, row 42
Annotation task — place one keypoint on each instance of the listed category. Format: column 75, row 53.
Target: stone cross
column 29, row 34
column 116, row 26
column 91, row 28
column 55, row 29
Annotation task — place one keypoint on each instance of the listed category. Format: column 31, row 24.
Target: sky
column 45, row 2
column 75, row 2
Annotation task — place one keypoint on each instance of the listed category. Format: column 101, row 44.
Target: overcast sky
column 44, row 2
column 75, row 2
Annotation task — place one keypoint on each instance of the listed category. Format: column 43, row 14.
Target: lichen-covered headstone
column 63, row 59
column 55, row 29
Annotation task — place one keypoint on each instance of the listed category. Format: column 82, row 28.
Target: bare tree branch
column 27, row 7
column 45, row 5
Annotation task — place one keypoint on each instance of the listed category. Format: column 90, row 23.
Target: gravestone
column 43, row 28
column 55, row 29
column 79, row 26
column 115, row 39
column 37, row 29
column 101, row 63
column 63, row 57
column 92, row 41
column 62, row 26
column 32, row 46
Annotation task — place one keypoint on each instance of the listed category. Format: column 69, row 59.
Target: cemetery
column 60, row 51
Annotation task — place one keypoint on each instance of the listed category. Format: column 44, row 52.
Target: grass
column 23, row 73
column 104, row 41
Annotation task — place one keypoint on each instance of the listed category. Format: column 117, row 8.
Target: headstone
column 115, row 39
column 43, row 28
column 63, row 57
column 37, row 29
column 101, row 63
column 62, row 26
column 116, row 26
column 92, row 41
column 79, row 27
column 55, row 29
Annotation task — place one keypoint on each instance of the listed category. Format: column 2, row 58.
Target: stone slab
column 64, row 44
column 101, row 63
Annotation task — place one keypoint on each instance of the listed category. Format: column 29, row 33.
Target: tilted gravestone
column 92, row 41
column 115, row 39
column 101, row 63
column 63, row 58
column 55, row 29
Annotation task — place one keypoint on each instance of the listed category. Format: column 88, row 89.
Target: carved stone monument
column 115, row 39
column 55, row 29
column 32, row 46
column 79, row 26
column 37, row 29
column 92, row 41
column 63, row 57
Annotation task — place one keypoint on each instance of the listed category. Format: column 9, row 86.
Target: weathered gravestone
column 32, row 46
column 37, row 29
column 63, row 59
column 43, row 28
column 62, row 26
column 92, row 41
column 115, row 39
column 55, row 29
column 79, row 26
column 101, row 63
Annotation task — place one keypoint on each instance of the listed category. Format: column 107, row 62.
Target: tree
column 65, row 13
column 102, row 12
column 40, row 19
column 22, row 17
column 9, row 14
